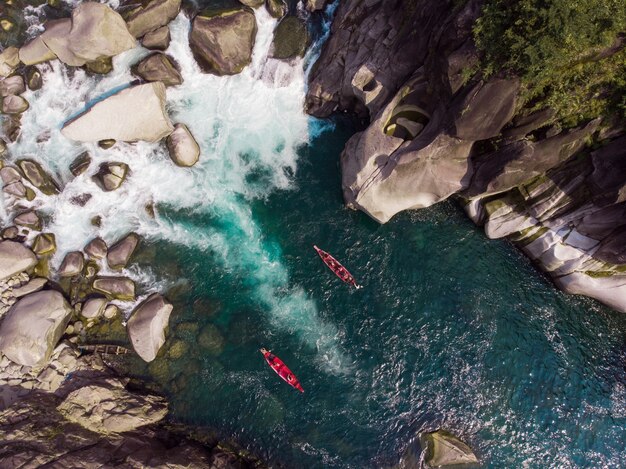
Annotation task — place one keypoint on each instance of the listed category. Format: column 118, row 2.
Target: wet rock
column 159, row 67
column 9, row 175
column 178, row 350
column 72, row 265
column 119, row 254
column 15, row 258
column 33, row 326
column 111, row 311
column 147, row 324
column 101, row 66
column 93, row 308
column 130, row 115
column 252, row 3
column 290, row 39
column 9, row 60
column 80, row 164
column 151, row 15
column 111, row 175
column 14, row 105
column 34, row 79
column 276, row 8
column 10, row 232
column 36, row 52
column 211, row 339
column 115, row 288
column 28, row 219
column 36, row 175
column 182, row 146
column 106, row 144
column 96, row 248
column 107, row 407
column 81, row 200
column 3, row 149
column 445, row 450
column 44, row 243
column 158, row 39
column 17, row 189
column 222, row 40
column 315, row 5
column 12, row 85
column 32, row 286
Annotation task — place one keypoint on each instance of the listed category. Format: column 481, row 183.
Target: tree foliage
column 567, row 52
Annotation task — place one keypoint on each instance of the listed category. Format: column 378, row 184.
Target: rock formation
column 147, row 16
column 158, row 39
column 159, row 67
column 183, row 148
column 146, row 326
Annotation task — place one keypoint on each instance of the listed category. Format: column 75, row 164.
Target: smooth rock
column 12, row 85
column 106, row 144
column 28, row 219
column 15, row 258
column 111, row 311
column 158, row 39
column 111, row 175
column 96, row 248
column 14, row 105
column 119, row 254
column 17, row 189
column 147, row 324
column 276, row 8
column 34, row 80
column 9, row 61
column 222, row 40
column 445, row 450
column 44, row 243
column 159, row 67
column 101, row 66
column 32, row 286
column 72, row 264
column 38, row 177
column 151, row 15
column 33, row 326
column 9, row 175
column 93, row 308
column 133, row 114
column 182, row 146
column 115, row 288
column 80, row 164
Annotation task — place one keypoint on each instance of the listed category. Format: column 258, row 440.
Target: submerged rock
column 211, row 339
column 183, row 148
column 147, row 324
column 15, row 258
column 159, row 67
column 133, row 114
column 119, row 254
column 151, row 15
column 158, row 39
column 290, row 39
column 33, row 326
column 222, row 39
column 111, row 175
column 445, row 450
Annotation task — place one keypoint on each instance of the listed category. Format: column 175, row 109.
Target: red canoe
column 281, row 369
column 339, row 270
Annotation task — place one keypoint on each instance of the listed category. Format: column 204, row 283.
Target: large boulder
column 14, row 105
column 110, row 175
column 222, row 39
column 93, row 307
column 146, row 326
column 290, row 39
column 151, row 15
column 119, row 254
column 94, row 31
column 96, row 248
column 9, row 60
column 133, row 114
column 44, row 244
column 158, row 39
column 159, row 67
column 28, row 219
column 183, row 148
column 443, row 449
column 38, row 177
column 115, row 288
column 15, row 258
column 72, row 264
column 107, row 407
column 33, row 326
column 12, row 85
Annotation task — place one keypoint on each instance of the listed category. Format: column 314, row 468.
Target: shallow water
column 450, row 329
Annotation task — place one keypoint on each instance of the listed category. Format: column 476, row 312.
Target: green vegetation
column 568, row 53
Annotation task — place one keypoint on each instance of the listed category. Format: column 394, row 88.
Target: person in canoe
column 281, row 369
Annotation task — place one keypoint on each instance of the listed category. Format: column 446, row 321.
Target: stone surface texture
column 147, row 324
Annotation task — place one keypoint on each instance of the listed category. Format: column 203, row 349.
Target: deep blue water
column 450, row 330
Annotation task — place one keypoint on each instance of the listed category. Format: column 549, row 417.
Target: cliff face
column 438, row 129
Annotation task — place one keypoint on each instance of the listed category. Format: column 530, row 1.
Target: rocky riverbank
column 440, row 129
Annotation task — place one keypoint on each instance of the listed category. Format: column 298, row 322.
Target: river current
column 450, row 330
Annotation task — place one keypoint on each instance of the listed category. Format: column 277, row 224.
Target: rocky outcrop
column 147, row 324
column 94, row 31
column 148, row 16
column 222, row 39
column 183, row 148
column 133, row 114
column 159, row 67
column 443, row 449
column 31, row 329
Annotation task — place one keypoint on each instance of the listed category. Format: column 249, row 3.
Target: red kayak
column 281, row 369
column 339, row 270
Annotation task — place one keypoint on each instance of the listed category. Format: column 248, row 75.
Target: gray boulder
column 32, row 286
column 96, row 248
column 29, row 219
column 183, row 148
column 158, row 39
column 115, row 288
column 443, row 449
column 133, row 114
column 119, row 254
column 93, row 308
column 15, row 258
column 290, row 39
column 222, row 39
column 111, row 175
column 72, row 265
column 14, row 105
column 39, row 178
column 33, row 326
column 147, row 324
column 151, row 15
column 159, row 67
column 12, row 85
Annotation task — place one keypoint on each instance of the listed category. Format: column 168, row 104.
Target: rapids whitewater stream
column 450, row 330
